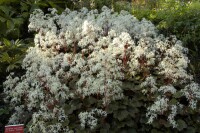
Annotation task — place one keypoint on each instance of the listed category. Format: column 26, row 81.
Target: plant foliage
column 106, row 72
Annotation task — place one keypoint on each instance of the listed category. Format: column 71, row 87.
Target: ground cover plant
column 102, row 71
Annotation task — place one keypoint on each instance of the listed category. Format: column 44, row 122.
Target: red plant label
column 14, row 129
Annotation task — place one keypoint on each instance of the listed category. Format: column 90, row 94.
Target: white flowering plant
column 107, row 71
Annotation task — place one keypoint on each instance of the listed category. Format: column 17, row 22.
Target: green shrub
column 102, row 72
column 171, row 17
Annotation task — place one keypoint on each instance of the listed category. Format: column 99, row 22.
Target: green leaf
column 190, row 130
column 18, row 42
column 121, row 115
column 173, row 101
column 41, row 4
column 133, row 111
column 66, row 122
column 11, row 67
column 6, row 42
column 130, row 122
column 3, row 29
column 181, row 125
column 24, row 7
column 178, row 94
column 5, row 9
column 155, row 131
column 105, row 128
column 131, row 130
column 3, row 111
column 18, row 21
column 19, row 61
column 5, row 57
column 112, row 107
column 25, row 14
column 10, row 25
column 8, row 1
column 2, row 19
column 53, row 5
column 89, row 101
column 5, row 16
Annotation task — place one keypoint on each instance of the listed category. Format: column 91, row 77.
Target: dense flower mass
column 84, row 54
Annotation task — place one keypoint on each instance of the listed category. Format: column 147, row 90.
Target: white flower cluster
column 160, row 105
column 88, row 119
column 192, row 93
column 41, row 118
column 81, row 54
column 165, row 102
column 165, row 56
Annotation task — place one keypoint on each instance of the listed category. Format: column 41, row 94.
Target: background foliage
column 180, row 18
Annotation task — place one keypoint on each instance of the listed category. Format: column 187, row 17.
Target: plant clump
column 81, row 63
